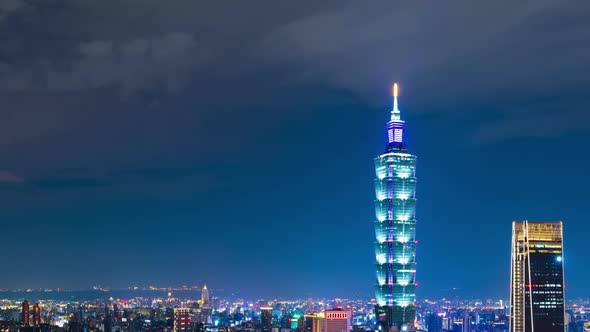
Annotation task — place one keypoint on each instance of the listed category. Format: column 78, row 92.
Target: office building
column 266, row 319
column 337, row 321
column 537, row 290
column 182, row 320
column 448, row 324
column 434, row 322
column 308, row 323
column 466, row 326
column 395, row 245
column 318, row 323
column 108, row 320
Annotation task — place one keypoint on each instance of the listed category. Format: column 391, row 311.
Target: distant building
column 26, row 321
column 36, row 314
column 182, row 320
column 108, row 320
column 205, row 297
column 486, row 316
column 307, row 323
column 337, row 321
column 266, row 319
column 318, row 323
column 434, row 323
column 466, row 324
column 205, row 315
column 447, row 324
column 6, row 326
column 536, row 293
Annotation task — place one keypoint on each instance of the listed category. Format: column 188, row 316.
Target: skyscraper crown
column 395, row 126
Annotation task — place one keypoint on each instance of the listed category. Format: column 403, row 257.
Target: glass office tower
column 395, row 248
column 536, row 292
column 266, row 319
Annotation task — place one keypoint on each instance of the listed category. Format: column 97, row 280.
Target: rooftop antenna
column 395, row 113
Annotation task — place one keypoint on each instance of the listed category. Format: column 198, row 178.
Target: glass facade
column 395, row 225
column 537, row 291
column 266, row 319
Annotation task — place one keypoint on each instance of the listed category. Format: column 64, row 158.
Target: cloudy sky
column 180, row 142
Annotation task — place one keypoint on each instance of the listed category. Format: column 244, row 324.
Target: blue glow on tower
column 395, row 246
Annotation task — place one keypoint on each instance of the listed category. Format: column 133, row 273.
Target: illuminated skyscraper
column 205, row 299
column 26, row 318
column 395, row 226
column 536, row 292
column 36, row 314
column 182, row 320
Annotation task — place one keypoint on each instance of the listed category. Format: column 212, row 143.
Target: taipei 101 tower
column 395, row 225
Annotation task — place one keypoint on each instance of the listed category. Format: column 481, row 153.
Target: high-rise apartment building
column 182, row 320
column 26, row 318
column 36, row 314
column 537, row 290
column 266, row 319
column 337, row 321
column 395, row 245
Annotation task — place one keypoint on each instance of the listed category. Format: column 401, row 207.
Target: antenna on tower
column 395, row 112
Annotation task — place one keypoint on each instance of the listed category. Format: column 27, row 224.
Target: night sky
column 232, row 143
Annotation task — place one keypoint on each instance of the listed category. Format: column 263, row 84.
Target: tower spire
column 395, row 113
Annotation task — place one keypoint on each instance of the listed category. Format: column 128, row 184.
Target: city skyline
column 237, row 145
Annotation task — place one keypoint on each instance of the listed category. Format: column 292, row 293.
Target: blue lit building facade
column 395, row 225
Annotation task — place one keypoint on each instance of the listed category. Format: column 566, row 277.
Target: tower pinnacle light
column 395, row 93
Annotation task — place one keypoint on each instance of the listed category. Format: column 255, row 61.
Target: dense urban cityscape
column 201, row 310
column 537, row 290
column 207, row 166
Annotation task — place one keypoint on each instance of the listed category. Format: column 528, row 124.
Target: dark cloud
column 133, row 45
column 452, row 54
column 8, row 7
column 419, row 41
column 76, row 76
column 546, row 119
column 90, row 178
column 163, row 62
column 245, row 120
column 9, row 177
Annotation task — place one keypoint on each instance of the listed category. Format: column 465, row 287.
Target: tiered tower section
column 395, row 246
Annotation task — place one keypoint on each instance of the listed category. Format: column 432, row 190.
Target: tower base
column 395, row 318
